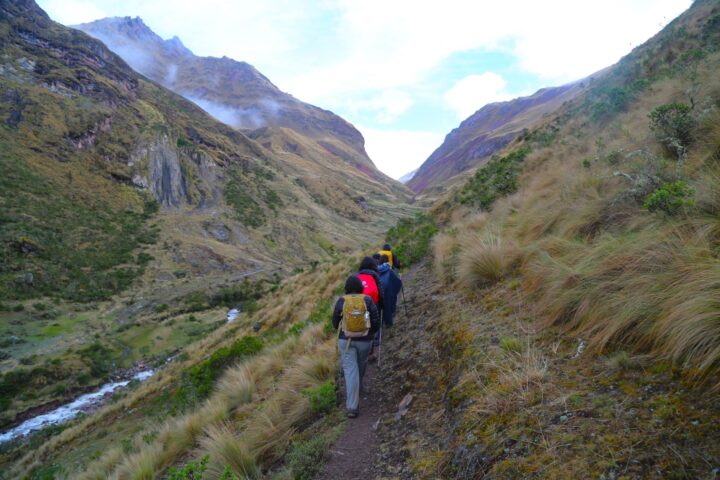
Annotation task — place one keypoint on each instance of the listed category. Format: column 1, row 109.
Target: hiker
column 391, row 286
column 392, row 258
column 357, row 318
column 368, row 274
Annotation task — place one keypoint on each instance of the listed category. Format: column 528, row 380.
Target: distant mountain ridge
column 234, row 91
column 487, row 131
column 324, row 152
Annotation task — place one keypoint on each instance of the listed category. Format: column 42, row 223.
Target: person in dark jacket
column 391, row 286
column 354, row 352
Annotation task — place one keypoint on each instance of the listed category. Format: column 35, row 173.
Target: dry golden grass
column 594, row 262
column 444, row 247
column 237, row 386
column 226, row 449
column 485, row 259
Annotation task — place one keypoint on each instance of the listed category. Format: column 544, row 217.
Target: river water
column 70, row 410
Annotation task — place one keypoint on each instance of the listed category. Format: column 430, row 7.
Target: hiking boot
column 352, row 413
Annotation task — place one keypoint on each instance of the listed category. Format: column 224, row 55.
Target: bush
column 411, row 237
column 99, row 358
column 496, row 179
column 197, row 382
column 306, row 459
column 322, row 397
column 190, row 471
column 674, row 126
column 671, row 198
column 243, row 295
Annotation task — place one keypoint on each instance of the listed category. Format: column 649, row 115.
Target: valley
column 560, row 268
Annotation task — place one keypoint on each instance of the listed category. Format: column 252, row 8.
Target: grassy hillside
column 587, row 266
column 123, row 205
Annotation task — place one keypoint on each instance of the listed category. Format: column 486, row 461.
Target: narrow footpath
column 380, row 442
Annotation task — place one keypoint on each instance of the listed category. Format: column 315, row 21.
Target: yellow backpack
column 355, row 316
column 389, row 255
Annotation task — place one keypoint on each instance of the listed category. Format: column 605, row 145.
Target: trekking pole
column 380, row 347
column 402, row 289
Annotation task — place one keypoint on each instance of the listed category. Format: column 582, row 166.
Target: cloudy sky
column 404, row 72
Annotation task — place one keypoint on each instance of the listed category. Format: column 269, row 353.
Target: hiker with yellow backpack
column 357, row 319
column 393, row 259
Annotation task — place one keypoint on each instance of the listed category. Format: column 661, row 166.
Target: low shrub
column 673, row 125
column 410, row 238
column 671, row 198
column 197, row 382
column 322, row 397
column 193, row 470
column 307, row 458
column 498, row 178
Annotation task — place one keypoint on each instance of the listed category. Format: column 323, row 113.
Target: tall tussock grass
column 593, row 255
column 485, row 259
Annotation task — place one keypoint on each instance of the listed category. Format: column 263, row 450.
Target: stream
column 70, row 410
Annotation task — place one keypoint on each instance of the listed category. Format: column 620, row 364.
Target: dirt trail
column 363, row 452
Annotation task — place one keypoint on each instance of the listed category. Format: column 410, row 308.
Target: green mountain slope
column 123, row 203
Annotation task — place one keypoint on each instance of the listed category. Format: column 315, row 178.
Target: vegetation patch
column 322, row 397
column 197, row 382
column 237, row 195
column 54, row 242
column 496, row 179
column 671, row 198
column 411, row 237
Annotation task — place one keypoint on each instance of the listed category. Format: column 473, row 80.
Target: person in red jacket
column 372, row 287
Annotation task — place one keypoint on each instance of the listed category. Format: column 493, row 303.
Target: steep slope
column 487, row 131
column 122, row 204
column 571, row 293
column 237, row 94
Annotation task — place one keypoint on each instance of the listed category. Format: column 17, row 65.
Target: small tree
column 674, row 126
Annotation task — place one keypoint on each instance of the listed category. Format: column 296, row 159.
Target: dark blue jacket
column 391, row 286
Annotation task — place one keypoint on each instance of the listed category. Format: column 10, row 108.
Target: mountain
column 124, row 205
column 407, row 177
column 310, row 140
column 487, row 131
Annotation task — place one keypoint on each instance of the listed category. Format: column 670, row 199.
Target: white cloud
column 397, row 152
column 387, row 105
column 474, row 91
column 70, row 12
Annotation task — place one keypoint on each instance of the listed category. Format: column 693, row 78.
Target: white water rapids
column 71, row 410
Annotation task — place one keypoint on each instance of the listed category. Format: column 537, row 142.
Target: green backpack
column 355, row 316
